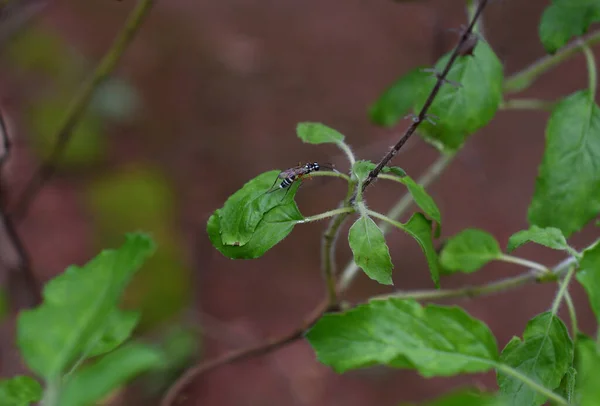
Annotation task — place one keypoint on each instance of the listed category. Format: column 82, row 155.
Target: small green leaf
column 588, row 371
column 244, row 210
column 419, row 228
column 564, row 19
column 459, row 112
column 118, row 328
column 469, row 250
column 362, row 168
column 20, row 391
column 435, row 340
column 398, row 99
column 317, row 133
column 567, row 190
column 395, row 170
column 77, row 308
column 544, row 355
column 468, row 397
column 422, row 199
column 589, row 276
column 370, row 251
column 274, row 227
column 549, row 237
column 93, row 382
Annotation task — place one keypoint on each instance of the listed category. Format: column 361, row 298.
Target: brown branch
column 78, row 107
column 464, row 46
column 176, row 394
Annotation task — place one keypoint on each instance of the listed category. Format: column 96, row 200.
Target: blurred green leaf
column 419, row 228
column 567, row 189
column 20, row 391
column 466, row 398
column 588, row 371
column 396, row 101
column 77, row 308
column 431, row 338
column 245, row 209
column 422, row 199
column 370, row 251
column 469, row 250
column 317, row 133
column 549, row 237
column 94, row 382
column 589, row 276
column 119, row 328
column 459, row 112
column 544, row 355
column 564, row 19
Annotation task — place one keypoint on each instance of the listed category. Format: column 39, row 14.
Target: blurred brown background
column 207, row 97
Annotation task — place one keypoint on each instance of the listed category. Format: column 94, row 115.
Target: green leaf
column 544, row 355
column 589, row 276
column 435, row 340
column 564, row 19
column 94, row 382
column 549, row 237
column 317, row 133
column 567, row 190
column 462, row 111
column 419, row 228
column 422, row 199
column 20, row 391
column 469, row 250
column 244, row 210
column 119, row 327
column 370, row 251
column 77, row 309
column 362, row 168
column 468, row 397
column 398, row 99
column 274, row 227
column 588, row 371
column 395, row 170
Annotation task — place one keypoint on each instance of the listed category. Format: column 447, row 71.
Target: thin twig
column 176, row 393
column 465, row 37
column 78, row 107
column 23, row 267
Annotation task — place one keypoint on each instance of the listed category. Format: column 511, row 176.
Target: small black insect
column 291, row 175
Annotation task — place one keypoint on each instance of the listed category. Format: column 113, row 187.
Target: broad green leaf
column 118, row 328
column 274, row 227
column 469, row 250
column 589, row 276
column 564, row 19
column 459, row 112
column 544, row 355
column 398, row 99
column 468, row 397
column 77, row 308
column 20, row 391
column 244, row 210
column 567, row 190
column 370, row 251
column 317, row 133
column 362, row 168
column 419, row 228
column 549, row 237
column 436, row 340
column 588, row 372
column 94, row 382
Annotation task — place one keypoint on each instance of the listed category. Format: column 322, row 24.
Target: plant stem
column 344, row 147
column 527, row 104
column 524, row 262
column 78, row 107
column 523, row 79
column 383, row 217
column 572, row 315
column 429, row 176
column 51, row 393
column 492, row 287
column 591, row 66
column 531, row 383
column 562, row 290
column 327, row 214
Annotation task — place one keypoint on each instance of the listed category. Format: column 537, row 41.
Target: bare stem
column 527, row 104
column 523, row 262
column 78, row 107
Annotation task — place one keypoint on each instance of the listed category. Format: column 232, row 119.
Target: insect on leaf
column 434, row 340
